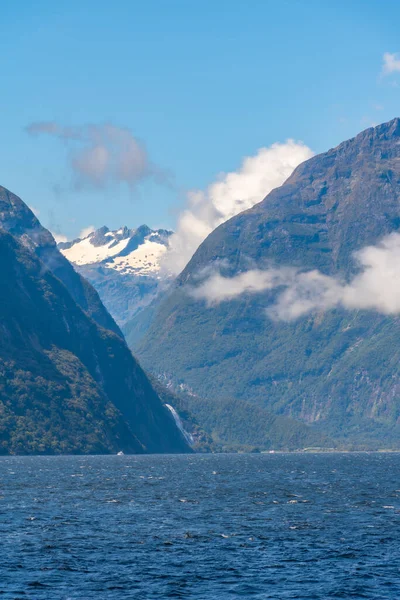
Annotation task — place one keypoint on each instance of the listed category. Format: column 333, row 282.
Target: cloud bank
column 391, row 63
column 375, row 287
column 86, row 231
column 59, row 237
column 229, row 195
column 102, row 154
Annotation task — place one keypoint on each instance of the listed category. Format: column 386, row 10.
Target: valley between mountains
column 281, row 333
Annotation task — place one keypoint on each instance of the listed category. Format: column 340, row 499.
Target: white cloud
column 217, row 288
column 375, row 287
column 86, row 231
column 59, row 237
column 101, row 155
column 378, row 284
column 229, row 195
column 35, row 210
column 391, row 63
column 308, row 292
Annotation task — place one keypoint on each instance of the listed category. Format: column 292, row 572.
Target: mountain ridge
column 67, row 384
column 123, row 265
column 319, row 369
column 18, row 219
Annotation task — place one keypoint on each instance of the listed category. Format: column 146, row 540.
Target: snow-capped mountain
column 136, row 251
column 123, row 265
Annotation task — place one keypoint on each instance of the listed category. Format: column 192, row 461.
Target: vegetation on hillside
column 230, row 425
column 337, row 370
column 66, row 384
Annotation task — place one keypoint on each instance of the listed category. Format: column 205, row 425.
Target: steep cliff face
column 67, row 384
column 336, row 369
column 19, row 220
column 333, row 204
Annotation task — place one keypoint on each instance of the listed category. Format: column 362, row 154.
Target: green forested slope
column 336, row 370
column 66, row 384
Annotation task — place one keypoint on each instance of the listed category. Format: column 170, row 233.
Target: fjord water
column 309, row 526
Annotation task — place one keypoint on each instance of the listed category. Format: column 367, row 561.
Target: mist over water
column 276, row 526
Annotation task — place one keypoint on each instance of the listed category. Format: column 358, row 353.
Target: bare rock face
column 337, row 370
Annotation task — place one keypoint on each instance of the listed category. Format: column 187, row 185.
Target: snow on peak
column 129, row 251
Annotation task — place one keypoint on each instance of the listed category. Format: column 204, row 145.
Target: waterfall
column 188, row 437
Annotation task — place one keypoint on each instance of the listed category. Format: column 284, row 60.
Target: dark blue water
column 203, row 527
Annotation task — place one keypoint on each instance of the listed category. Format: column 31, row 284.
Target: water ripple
column 203, row 527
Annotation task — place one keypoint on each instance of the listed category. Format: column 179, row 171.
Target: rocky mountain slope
column 19, row 220
column 123, row 266
column 67, row 384
column 334, row 368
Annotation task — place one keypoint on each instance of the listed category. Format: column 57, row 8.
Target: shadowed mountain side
column 18, row 219
column 66, row 384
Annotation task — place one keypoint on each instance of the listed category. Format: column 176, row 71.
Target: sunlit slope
column 334, row 369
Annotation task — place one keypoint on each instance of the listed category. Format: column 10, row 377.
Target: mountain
column 19, row 220
column 67, row 384
column 335, row 369
column 122, row 265
column 231, row 425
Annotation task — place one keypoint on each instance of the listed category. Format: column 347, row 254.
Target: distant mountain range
column 123, row 265
column 332, row 365
column 68, row 382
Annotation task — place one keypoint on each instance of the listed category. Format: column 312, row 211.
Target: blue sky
column 202, row 84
